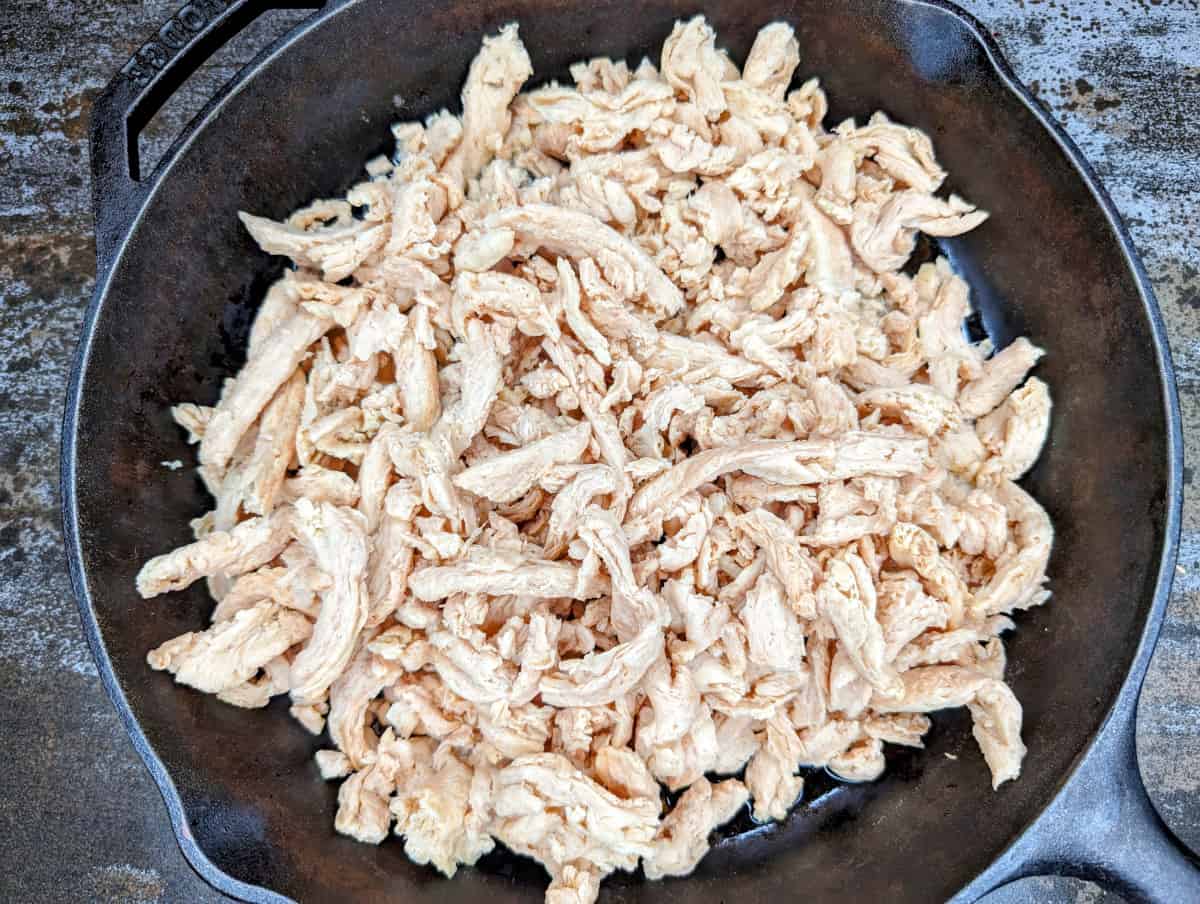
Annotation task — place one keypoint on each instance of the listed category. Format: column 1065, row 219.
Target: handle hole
column 1051, row 890
column 158, row 120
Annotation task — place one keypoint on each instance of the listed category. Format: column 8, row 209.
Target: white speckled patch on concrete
column 122, row 883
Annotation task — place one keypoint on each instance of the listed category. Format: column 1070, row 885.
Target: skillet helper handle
column 155, row 71
column 1103, row 826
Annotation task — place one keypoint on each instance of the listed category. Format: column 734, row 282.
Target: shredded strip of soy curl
column 598, row 442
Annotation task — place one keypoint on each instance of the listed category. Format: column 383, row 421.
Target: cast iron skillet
column 178, row 284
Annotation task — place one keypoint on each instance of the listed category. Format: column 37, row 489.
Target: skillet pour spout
column 177, row 288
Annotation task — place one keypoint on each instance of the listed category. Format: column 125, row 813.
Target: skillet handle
column 155, row 71
column 1103, row 827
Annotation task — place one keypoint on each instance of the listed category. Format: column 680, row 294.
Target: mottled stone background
column 80, row 819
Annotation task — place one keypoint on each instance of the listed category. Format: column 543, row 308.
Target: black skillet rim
column 1130, row 686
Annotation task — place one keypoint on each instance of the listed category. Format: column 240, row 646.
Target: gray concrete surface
column 80, row 819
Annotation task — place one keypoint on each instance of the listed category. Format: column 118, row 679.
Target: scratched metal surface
column 79, row 817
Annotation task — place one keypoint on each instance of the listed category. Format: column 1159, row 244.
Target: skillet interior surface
column 172, row 324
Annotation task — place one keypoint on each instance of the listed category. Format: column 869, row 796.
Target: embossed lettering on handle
column 174, row 35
